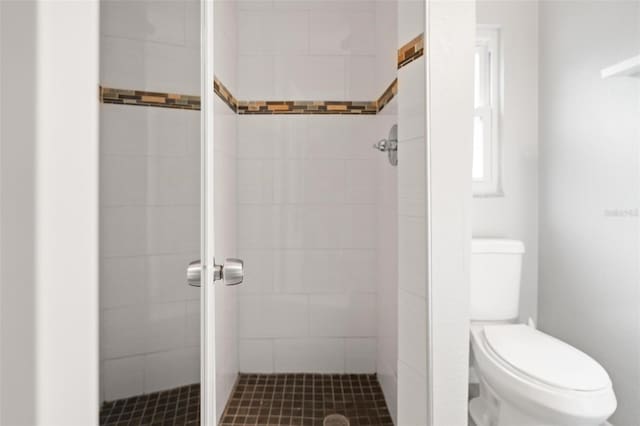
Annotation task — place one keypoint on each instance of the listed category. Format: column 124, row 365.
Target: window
column 486, row 145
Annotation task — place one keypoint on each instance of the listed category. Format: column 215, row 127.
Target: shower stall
column 283, row 145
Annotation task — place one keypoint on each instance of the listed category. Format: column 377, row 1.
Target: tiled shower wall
column 307, row 190
column 412, row 232
column 307, row 232
column 387, row 210
column 150, row 197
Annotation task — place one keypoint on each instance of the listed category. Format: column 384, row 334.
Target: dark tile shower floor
column 263, row 400
column 179, row 406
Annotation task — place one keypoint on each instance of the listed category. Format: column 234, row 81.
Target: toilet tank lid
column 496, row 245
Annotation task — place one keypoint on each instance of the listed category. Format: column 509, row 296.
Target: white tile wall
column 123, row 377
column 412, row 396
column 307, row 224
column 412, row 382
column 256, row 355
column 411, row 20
column 163, row 370
column 360, row 355
column 387, row 264
column 386, row 44
column 339, row 315
column 313, row 50
column 309, row 355
column 275, row 315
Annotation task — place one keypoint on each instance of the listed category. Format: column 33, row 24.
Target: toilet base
column 490, row 410
column 484, row 415
column 478, row 412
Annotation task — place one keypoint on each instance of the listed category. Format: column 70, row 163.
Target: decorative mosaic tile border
column 411, row 51
column 110, row 95
column 387, row 95
column 167, row 100
column 306, row 107
column 406, row 54
column 224, row 94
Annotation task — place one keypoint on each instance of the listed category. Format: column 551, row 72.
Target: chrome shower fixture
column 390, row 145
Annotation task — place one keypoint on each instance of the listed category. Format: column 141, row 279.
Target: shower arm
column 386, row 145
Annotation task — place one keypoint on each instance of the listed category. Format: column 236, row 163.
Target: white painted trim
column 66, row 213
column 451, row 34
column 207, row 247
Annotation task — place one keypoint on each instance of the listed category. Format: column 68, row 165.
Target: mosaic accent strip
column 305, row 400
column 388, row 94
column 224, row 94
column 154, row 99
column 306, row 107
column 411, row 51
column 168, row 100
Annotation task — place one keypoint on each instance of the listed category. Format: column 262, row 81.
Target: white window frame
column 488, row 45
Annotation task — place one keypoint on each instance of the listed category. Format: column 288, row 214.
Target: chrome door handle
column 231, row 272
column 194, row 272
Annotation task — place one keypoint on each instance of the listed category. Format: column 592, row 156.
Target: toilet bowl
column 528, row 378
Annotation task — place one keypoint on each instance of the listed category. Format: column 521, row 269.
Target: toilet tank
column 495, row 278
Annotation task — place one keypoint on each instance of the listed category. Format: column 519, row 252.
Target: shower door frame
column 207, row 242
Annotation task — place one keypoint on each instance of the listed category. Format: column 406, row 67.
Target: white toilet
column 527, row 378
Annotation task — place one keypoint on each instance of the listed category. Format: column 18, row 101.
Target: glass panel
column 150, row 214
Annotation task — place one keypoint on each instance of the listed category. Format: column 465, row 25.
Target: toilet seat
column 507, row 361
column 545, row 359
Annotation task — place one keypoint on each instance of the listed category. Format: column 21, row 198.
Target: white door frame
column 207, row 247
column 449, row 46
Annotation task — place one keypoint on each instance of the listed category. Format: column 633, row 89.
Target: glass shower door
column 217, row 271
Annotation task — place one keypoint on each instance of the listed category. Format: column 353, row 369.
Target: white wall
column 149, row 199
column 49, row 213
column 589, row 279
column 307, row 190
column 515, row 214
